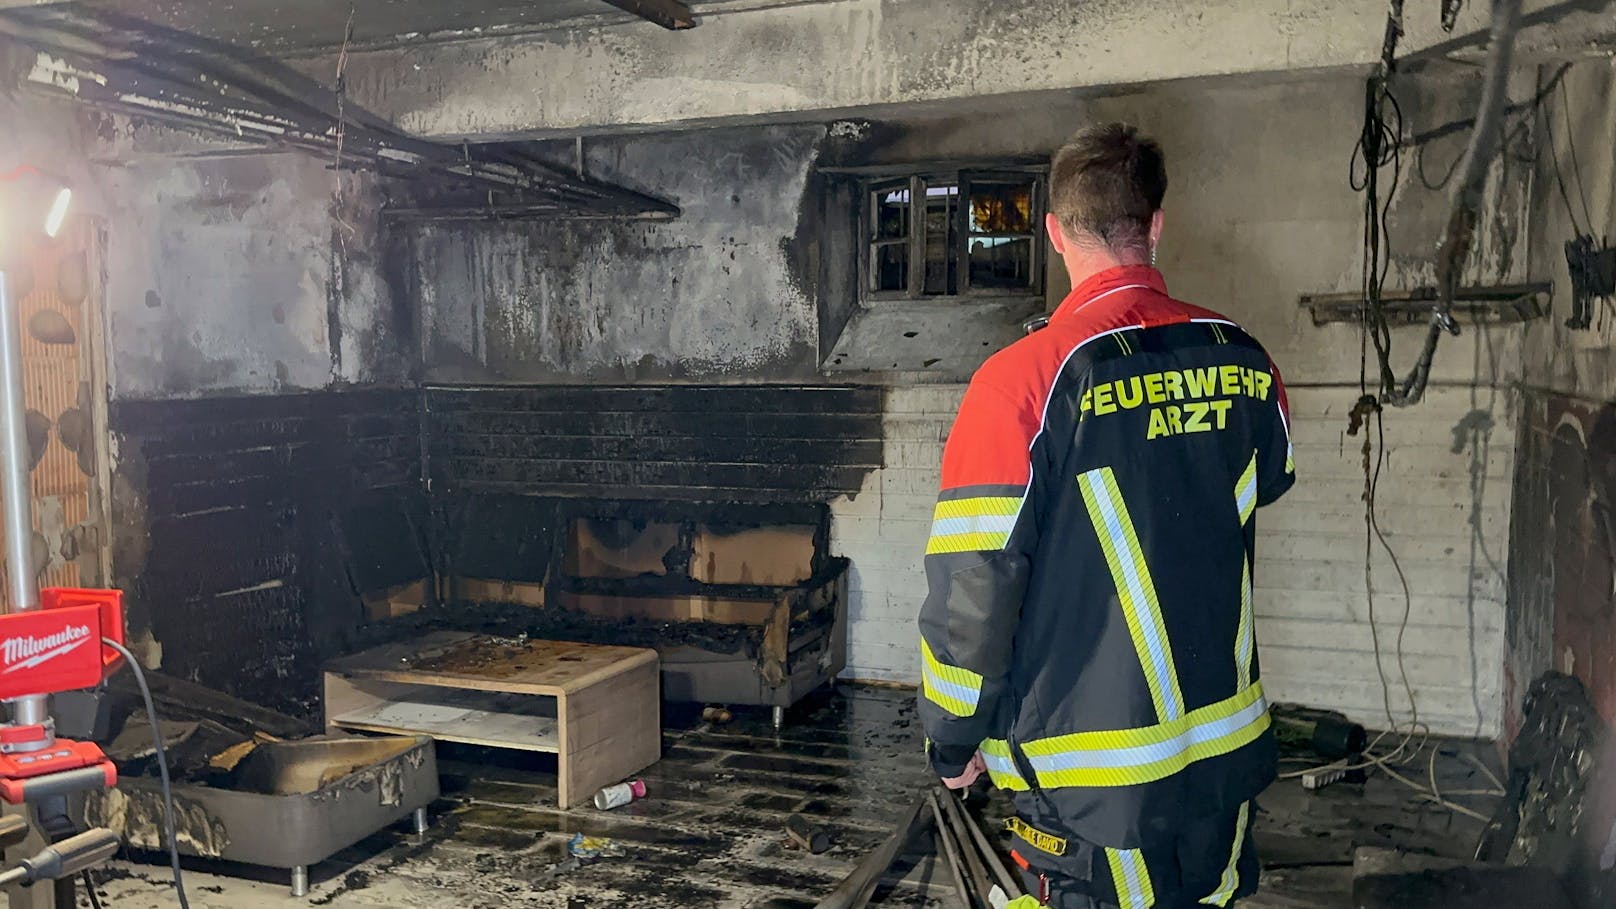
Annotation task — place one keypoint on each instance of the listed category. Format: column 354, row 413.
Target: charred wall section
column 726, row 292
column 1563, row 547
column 697, row 443
column 250, row 528
column 1561, row 612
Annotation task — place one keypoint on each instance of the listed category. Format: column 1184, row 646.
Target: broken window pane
column 889, row 266
column 927, row 234
column 942, row 232
column 891, row 214
column 1001, row 208
column 1001, row 250
column 1003, row 263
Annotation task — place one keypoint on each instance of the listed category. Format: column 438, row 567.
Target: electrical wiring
column 1559, row 176
column 162, row 768
column 1415, row 735
column 89, row 888
column 1380, row 145
column 1482, row 766
column 1571, row 147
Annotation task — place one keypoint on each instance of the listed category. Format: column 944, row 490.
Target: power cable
column 1559, row 176
column 89, row 888
column 1576, row 169
column 162, row 768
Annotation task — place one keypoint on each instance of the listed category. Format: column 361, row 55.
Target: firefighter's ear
column 1056, row 238
column 1156, row 222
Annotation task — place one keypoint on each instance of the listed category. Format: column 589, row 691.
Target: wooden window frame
column 915, row 239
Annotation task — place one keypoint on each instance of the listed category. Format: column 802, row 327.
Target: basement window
column 966, row 233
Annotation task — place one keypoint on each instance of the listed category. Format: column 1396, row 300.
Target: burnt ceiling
column 291, row 26
column 119, row 63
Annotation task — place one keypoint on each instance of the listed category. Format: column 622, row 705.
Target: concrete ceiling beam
column 814, row 60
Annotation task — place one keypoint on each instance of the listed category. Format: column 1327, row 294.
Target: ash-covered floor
column 710, row 833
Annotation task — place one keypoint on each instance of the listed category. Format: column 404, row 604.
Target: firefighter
column 1087, row 639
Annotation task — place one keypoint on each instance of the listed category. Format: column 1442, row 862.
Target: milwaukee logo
column 28, row 652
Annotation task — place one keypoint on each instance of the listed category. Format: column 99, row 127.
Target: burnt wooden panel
column 254, row 523
column 704, row 443
column 1562, row 558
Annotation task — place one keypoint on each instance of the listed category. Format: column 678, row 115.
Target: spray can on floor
column 619, row 795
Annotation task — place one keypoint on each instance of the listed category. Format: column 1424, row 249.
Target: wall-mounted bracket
column 1500, row 304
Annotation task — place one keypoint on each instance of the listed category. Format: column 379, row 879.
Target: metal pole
column 17, row 496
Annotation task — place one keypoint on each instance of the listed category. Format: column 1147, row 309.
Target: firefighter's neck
column 1084, row 261
column 1086, row 255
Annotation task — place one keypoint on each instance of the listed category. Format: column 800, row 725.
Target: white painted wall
column 1444, row 510
column 1442, row 502
column 884, row 528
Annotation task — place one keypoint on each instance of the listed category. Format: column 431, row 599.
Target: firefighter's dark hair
column 1107, row 183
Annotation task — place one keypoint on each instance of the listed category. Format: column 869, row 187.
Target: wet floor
column 711, row 831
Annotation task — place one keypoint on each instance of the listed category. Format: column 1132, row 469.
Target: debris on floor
column 849, row 763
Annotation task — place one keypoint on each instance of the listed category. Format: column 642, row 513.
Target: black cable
column 1397, row 566
column 1576, row 169
column 1419, row 168
column 1559, row 178
column 1380, row 144
column 162, row 768
column 89, row 887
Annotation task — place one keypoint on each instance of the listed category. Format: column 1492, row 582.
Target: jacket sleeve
column 976, row 571
column 1276, row 461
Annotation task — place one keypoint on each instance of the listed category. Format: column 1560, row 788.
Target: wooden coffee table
column 597, row 708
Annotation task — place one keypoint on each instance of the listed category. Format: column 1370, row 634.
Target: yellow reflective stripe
column 967, row 542
column 1132, row 878
column 1245, row 491
column 1001, row 769
column 1290, row 446
column 978, row 505
column 1245, row 501
column 1244, row 642
column 1023, row 902
column 954, row 689
column 1128, row 757
column 978, row 524
column 1231, row 872
column 1135, row 591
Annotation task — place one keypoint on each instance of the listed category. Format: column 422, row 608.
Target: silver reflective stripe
column 1131, row 878
column 1245, row 491
column 1139, row 593
column 1000, row 764
column 985, row 523
column 958, row 692
column 1108, row 758
column 1245, row 640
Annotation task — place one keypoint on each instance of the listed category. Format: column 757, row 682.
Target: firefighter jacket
column 1088, row 624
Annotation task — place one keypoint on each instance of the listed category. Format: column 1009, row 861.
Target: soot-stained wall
column 726, row 291
column 1568, row 384
column 253, row 274
column 248, row 530
column 244, row 301
column 1562, row 604
column 248, row 274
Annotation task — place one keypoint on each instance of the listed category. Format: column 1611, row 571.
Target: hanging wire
column 1576, row 169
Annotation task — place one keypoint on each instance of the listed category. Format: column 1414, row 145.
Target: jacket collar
column 1105, row 282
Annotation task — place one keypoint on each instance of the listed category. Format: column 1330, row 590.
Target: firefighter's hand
column 972, row 772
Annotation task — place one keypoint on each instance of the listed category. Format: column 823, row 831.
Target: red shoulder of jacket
column 1004, row 408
